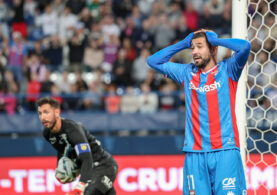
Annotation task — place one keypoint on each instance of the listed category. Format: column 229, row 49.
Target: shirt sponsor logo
column 230, row 193
column 229, row 183
column 205, row 88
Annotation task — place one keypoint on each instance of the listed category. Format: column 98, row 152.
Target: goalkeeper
column 71, row 140
column 212, row 163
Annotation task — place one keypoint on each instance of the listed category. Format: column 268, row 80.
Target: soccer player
column 97, row 167
column 213, row 163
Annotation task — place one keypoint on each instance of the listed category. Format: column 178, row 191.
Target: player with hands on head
column 78, row 152
column 212, row 163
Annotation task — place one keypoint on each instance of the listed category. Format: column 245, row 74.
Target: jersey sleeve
column 173, row 71
column 241, row 50
column 234, row 70
column 80, row 143
column 160, row 61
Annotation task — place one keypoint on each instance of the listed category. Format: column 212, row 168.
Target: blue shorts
column 214, row 173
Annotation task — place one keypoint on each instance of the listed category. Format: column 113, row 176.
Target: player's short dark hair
column 202, row 34
column 48, row 100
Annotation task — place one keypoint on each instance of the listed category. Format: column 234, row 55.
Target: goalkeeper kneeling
column 78, row 152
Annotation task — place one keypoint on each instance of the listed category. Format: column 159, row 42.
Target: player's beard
column 51, row 123
column 203, row 62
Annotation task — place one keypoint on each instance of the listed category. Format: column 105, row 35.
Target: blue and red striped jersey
column 210, row 100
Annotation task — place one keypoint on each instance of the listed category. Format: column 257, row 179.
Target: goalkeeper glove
column 78, row 189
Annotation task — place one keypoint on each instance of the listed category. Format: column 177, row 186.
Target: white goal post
column 239, row 30
column 256, row 100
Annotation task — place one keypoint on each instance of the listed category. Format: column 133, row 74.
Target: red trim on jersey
column 195, row 113
column 233, row 88
column 213, row 113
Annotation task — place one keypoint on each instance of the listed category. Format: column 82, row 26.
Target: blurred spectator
column 167, row 98
column 33, row 91
column 17, row 56
column 148, row 100
column 34, row 66
column 182, row 29
column 140, row 67
column 112, row 100
column 174, row 14
column 48, row 21
column 37, row 49
column 145, row 6
column 3, row 63
column 94, row 7
column 18, row 20
column 216, row 7
column 164, row 34
column 122, row 69
column 110, row 52
column 7, row 101
column 73, row 101
column 46, row 84
column 4, row 12
column 54, row 54
column 129, row 101
column 191, row 16
column 153, row 80
column 137, row 16
column 86, row 18
column 81, row 84
column 58, row 6
column 92, row 98
column 63, row 82
column 143, row 37
column 122, row 8
column 130, row 50
column 76, row 6
column 128, row 30
column 9, row 83
column 93, row 55
column 157, row 8
column 56, row 93
column 67, row 23
column 205, row 18
column 226, row 23
column 95, row 31
column 109, row 29
column 76, row 47
column 4, row 32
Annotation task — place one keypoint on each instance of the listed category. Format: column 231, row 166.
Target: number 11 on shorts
column 191, row 184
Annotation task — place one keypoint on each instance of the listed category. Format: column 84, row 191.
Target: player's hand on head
column 78, row 189
column 212, row 37
column 188, row 39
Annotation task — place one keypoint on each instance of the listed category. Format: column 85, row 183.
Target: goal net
column 261, row 105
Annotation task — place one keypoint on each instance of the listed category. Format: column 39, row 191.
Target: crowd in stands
column 91, row 54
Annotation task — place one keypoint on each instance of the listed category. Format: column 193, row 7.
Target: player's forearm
column 165, row 54
column 240, row 46
column 86, row 167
